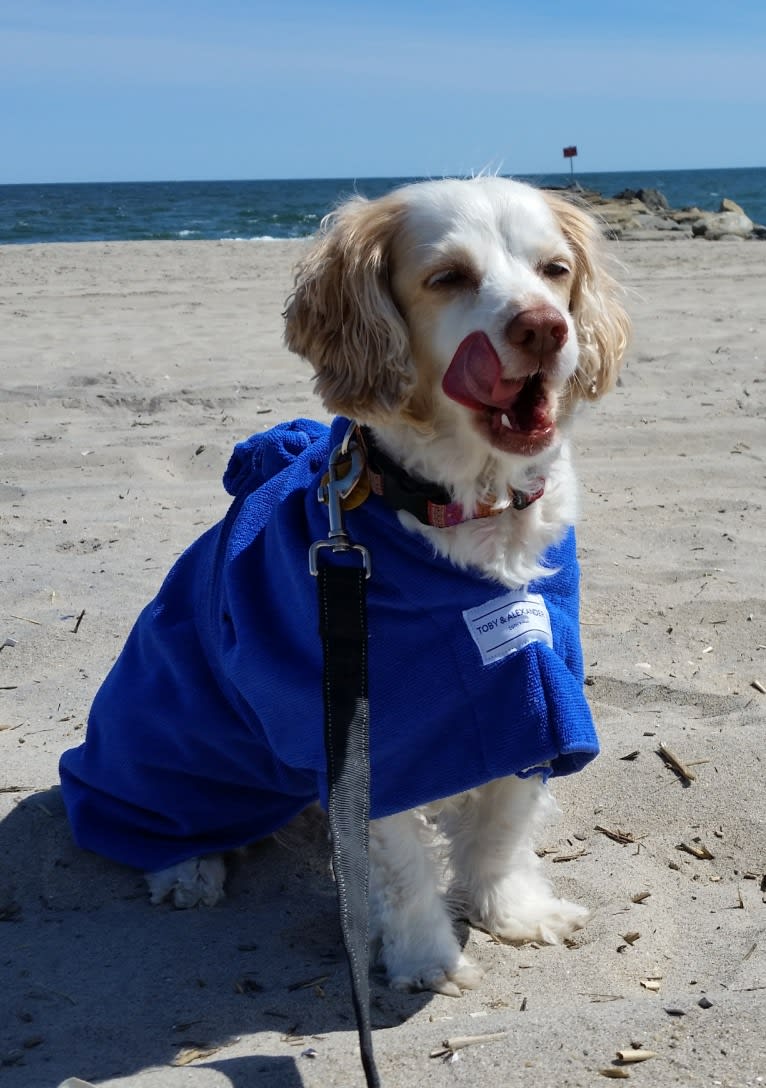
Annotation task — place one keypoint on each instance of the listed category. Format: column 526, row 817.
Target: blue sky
column 97, row 90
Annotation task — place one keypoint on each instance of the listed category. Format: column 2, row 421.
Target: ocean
column 248, row 210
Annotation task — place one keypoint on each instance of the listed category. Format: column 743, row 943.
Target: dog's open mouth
column 514, row 416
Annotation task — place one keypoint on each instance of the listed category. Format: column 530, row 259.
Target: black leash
column 343, row 623
column 343, row 628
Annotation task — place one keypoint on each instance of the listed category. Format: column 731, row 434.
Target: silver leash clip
column 332, row 491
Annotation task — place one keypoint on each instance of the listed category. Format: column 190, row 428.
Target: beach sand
column 128, row 371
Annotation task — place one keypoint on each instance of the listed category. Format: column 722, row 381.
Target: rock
column 648, row 220
column 652, row 198
column 616, row 218
column 717, row 225
column 687, row 215
column 651, row 235
column 731, row 206
column 638, row 214
column 617, row 215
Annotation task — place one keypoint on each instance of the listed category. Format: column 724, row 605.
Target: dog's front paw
column 449, row 979
column 427, row 957
column 190, row 883
column 531, row 913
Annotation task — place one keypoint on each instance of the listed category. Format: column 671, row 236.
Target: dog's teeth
column 505, row 421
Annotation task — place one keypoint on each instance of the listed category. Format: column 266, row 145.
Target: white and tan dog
column 462, row 322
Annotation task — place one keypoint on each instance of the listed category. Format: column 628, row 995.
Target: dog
column 461, row 324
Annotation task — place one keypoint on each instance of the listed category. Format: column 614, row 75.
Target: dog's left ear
column 603, row 326
column 342, row 316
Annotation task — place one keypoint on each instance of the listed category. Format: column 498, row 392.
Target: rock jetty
column 645, row 215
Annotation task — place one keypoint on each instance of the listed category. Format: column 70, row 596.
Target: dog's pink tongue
column 474, row 377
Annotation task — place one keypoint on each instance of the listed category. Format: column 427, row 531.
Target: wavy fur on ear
column 342, row 317
column 603, row 327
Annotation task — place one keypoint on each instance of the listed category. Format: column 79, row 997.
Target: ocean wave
column 264, row 238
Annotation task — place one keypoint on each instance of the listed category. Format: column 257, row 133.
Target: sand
column 127, row 372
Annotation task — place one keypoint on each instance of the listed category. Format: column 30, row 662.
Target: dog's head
column 481, row 303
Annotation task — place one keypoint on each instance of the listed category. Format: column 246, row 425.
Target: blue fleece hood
column 208, row 731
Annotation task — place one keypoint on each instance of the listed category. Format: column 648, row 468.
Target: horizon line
column 376, row 177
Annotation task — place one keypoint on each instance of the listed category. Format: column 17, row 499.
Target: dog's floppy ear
column 342, row 316
column 602, row 324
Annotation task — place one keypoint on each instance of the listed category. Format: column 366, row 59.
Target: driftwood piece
column 688, row 776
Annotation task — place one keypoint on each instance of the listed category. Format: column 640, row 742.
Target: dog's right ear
column 342, row 316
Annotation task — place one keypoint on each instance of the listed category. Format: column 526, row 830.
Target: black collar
column 430, row 503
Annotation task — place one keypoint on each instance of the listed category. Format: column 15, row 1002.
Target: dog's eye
column 451, row 277
column 555, row 270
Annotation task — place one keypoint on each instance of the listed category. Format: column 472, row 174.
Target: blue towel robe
column 208, row 731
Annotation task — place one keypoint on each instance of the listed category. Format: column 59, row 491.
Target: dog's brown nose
column 539, row 332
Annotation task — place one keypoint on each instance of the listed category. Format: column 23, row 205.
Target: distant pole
column 571, row 153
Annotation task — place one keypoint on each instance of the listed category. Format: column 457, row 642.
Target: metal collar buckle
column 333, row 491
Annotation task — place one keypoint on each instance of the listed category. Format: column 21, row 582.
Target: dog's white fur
column 381, row 303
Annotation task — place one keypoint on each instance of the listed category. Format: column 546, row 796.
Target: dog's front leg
column 408, row 915
column 496, row 870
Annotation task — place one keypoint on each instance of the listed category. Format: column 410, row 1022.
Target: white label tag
column 506, row 624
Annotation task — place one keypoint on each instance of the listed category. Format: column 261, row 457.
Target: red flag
column 570, row 152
